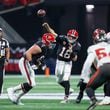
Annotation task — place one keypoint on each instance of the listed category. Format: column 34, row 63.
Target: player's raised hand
column 46, row 25
column 49, row 29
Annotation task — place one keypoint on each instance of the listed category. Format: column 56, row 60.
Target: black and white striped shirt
column 3, row 45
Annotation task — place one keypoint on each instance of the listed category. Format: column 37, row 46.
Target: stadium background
column 22, row 28
column 62, row 15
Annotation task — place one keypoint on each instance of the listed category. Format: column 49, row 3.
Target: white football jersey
column 100, row 53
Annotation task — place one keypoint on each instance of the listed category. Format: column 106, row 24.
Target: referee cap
column 0, row 29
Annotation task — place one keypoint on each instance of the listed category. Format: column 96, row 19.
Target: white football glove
column 34, row 67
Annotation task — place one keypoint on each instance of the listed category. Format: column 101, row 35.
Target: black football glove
column 40, row 60
column 80, row 82
column 42, row 66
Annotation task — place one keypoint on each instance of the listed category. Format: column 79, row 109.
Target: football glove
column 40, row 61
column 42, row 67
column 34, row 67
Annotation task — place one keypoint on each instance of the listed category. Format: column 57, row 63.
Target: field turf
column 44, row 85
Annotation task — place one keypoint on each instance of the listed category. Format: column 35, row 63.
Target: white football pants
column 27, row 71
column 63, row 70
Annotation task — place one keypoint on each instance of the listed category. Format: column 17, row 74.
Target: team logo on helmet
column 72, row 35
column 99, row 35
column 48, row 38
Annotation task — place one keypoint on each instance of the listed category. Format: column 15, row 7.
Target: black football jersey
column 65, row 51
column 37, row 57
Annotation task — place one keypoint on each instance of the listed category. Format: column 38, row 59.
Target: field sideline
column 46, row 95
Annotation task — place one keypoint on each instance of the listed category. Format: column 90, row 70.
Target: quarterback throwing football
column 68, row 48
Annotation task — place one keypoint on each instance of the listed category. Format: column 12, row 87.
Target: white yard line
column 51, row 76
column 51, row 96
column 48, row 96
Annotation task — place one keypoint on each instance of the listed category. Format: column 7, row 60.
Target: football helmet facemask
column 108, row 37
column 1, row 33
column 72, row 35
column 99, row 35
column 48, row 38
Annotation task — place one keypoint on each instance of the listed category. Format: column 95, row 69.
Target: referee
column 4, row 56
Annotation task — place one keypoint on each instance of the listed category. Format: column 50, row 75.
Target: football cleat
column 18, row 102
column 11, row 95
column 93, row 105
column 79, row 98
column 65, row 100
column 105, row 101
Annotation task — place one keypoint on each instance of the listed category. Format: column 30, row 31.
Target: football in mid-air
column 41, row 13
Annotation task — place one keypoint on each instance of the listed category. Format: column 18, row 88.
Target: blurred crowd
column 6, row 4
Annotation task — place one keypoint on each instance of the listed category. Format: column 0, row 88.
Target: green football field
column 45, row 96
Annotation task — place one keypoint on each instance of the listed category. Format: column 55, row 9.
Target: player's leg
column 107, row 88
column 106, row 99
column 1, row 79
column 66, row 80
column 22, row 89
column 1, row 74
column 95, row 81
column 59, row 72
column 81, row 92
column 30, row 77
column 82, row 84
column 62, row 78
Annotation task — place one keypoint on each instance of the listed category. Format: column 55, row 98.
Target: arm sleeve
column 60, row 39
column 86, row 70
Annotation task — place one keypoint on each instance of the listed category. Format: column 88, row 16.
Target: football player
column 68, row 48
column 4, row 57
column 106, row 99
column 83, row 83
column 98, row 52
column 33, row 56
column 85, row 78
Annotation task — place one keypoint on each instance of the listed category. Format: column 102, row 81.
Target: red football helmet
column 48, row 38
column 72, row 35
column 99, row 35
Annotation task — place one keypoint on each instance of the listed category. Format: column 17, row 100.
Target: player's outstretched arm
column 49, row 29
